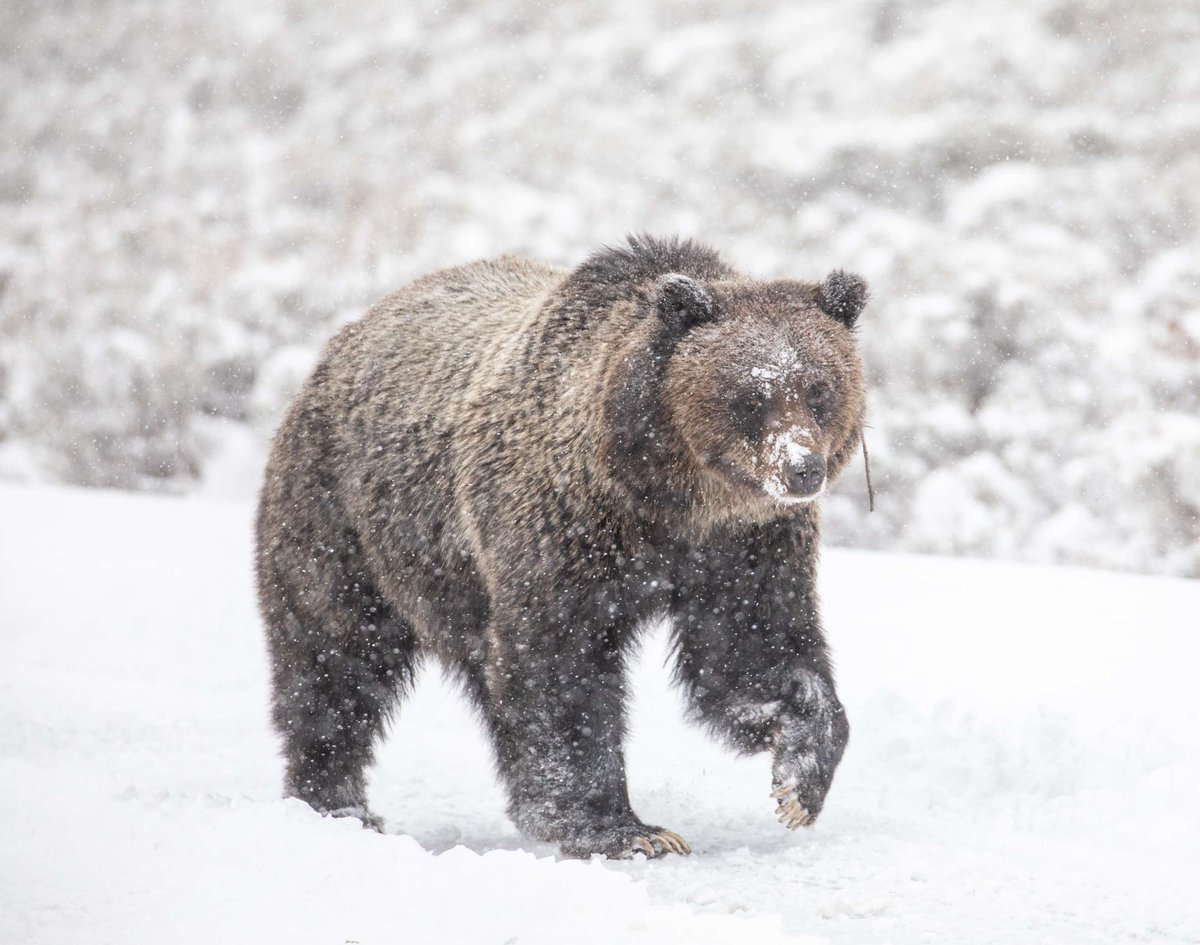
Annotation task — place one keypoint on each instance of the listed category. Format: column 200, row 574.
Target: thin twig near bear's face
column 867, row 468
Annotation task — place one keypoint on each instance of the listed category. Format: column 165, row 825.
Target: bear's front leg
column 752, row 659
column 791, row 711
column 557, row 713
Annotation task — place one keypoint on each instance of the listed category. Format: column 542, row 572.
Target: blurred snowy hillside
column 192, row 196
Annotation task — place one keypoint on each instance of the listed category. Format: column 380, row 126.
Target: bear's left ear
column 843, row 295
column 683, row 302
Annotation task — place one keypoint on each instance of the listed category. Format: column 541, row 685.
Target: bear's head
column 764, row 383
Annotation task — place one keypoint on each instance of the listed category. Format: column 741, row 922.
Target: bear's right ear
column 843, row 295
column 683, row 302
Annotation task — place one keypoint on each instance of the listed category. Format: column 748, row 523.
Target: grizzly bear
column 515, row 467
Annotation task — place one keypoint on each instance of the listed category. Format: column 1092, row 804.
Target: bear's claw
column 623, row 843
column 642, row 844
column 673, row 842
column 657, row 844
column 791, row 813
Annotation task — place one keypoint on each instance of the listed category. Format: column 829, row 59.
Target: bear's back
column 416, row 350
column 465, row 310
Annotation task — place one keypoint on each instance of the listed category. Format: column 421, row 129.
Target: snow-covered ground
column 1023, row 767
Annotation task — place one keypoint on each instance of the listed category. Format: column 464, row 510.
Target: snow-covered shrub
column 192, row 196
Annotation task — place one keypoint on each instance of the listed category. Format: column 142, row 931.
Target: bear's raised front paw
column 808, row 747
column 623, row 843
column 799, row 784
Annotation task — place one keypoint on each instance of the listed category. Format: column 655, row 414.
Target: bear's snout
column 806, row 476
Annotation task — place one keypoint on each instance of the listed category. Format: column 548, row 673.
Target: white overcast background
column 194, row 195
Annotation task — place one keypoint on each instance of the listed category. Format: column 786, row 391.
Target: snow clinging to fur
column 783, row 450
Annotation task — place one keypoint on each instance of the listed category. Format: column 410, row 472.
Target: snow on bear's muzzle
column 796, row 471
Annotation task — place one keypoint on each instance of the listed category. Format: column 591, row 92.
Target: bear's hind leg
column 338, row 675
column 330, row 711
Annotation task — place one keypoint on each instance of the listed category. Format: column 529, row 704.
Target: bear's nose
column 806, row 476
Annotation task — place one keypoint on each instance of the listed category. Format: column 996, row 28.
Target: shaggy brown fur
column 512, row 467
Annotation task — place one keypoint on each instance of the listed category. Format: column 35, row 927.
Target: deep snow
column 1023, row 767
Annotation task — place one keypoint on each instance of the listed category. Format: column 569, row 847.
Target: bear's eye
column 820, row 402
column 748, row 410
